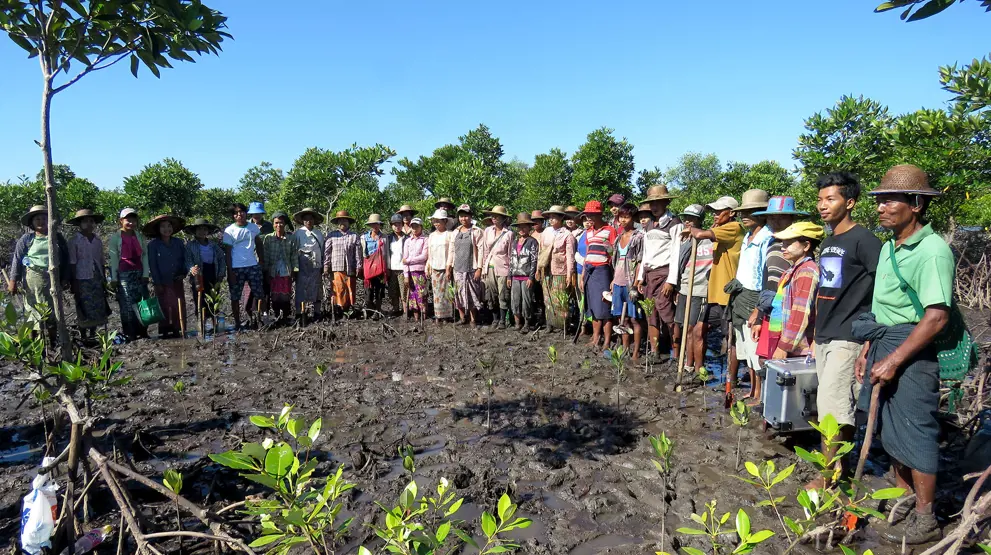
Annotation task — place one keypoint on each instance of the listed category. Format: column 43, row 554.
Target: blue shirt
column 753, row 258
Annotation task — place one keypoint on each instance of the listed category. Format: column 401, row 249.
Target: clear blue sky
column 729, row 77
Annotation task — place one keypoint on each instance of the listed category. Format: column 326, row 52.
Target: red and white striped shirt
column 600, row 242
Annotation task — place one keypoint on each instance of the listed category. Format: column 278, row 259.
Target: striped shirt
column 793, row 309
column 600, row 242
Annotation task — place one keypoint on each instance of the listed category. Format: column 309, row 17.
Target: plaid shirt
column 342, row 252
column 275, row 250
column 799, row 284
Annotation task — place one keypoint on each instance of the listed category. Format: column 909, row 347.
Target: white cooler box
column 788, row 400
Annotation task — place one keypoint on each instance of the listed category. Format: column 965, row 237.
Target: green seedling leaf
column 294, row 426
column 265, row 540
column 518, row 523
column 888, row 493
column 173, row 480
column 692, row 532
column 263, row 479
column 453, row 508
column 362, row 551
column 234, row 460
column 752, row 469
column 442, row 531
column 742, row 525
column 758, row 537
column 465, row 537
column 783, row 474
column 279, row 459
column 262, row 421
column 504, row 505
column 284, row 415
column 488, row 524
column 314, row 431
column 254, row 450
column 692, row 551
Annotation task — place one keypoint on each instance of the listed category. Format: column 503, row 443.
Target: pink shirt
column 415, row 253
column 497, row 247
column 562, row 245
column 130, row 253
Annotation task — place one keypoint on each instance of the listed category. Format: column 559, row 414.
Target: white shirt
column 661, row 248
column 241, row 240
column 438, row 244
column 396, row 253
column 311, row 245
column 753, row 258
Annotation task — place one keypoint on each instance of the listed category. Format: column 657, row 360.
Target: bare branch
column 88, row 69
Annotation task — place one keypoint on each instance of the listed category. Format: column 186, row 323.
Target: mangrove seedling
column 173, row 480
column 552, row 354
column 828, row 467
column 487, row 366
column 180, row 389
column 703, row 377
column 847, row 551
column 767, row 478
column 663, row 450
column 321, row 370
column 616, row 359
column 741, row 417
column 406, row 453
column 713, row 528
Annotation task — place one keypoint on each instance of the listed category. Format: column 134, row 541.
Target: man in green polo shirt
column 898, row 355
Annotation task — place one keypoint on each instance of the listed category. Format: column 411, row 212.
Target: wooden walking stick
column 869, row 433
column 182, row 316
column 688, row 312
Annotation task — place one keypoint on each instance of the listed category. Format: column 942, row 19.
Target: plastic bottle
column 92, row 539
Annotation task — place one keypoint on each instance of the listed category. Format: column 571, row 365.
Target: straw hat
column 906, row 179
column 658, row 192
column 556, row 210
column 298, row 216
column 406, row 208
column 439, row 214
column 374, row 219
column 444, row 201
column 754, row 199
column 85, row 213
column 522, row 219
column 151, row 228
column 497, row 210
column 487, row 221
column 342, row 215
column 34, row 211
column 645, row 207
column 190, row 229
column 572, row 211
column 537, row 215
column 280, row 214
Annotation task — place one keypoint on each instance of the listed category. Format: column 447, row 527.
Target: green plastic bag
column 150, row 312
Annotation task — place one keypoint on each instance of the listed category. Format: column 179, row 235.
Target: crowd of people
column 776, row 282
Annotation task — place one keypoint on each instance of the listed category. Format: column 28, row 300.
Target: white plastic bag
column 38, row 513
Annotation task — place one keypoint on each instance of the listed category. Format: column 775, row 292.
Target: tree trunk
column 58, row 311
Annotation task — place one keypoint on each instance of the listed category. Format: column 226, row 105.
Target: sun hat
column 658, row 192
column 374, row 219
column 151, row 228
column 592, row 207
column 753, row 199
column 556, row 210
column 808, row 230
column 781, row 205
column 406, row 208
column 537, row 215
column 396, row 219
column 522, row 219
column 416, row 221
column 644, row 207
column 444, row 201
column 127, row 212
column 696, row 210
column 616, row 199
column 298, row 216
column 190, row 229
column 572, row 210
column 497, row 210
column 85, row 213
column 34, row 211
column 341, row 215
column 439, row 214
column 280, row 214
column 464, row 209
column 723, row 203
column 487, row 221
column 256, row 208
column 905, row 179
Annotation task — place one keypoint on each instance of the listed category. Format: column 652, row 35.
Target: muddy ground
column 577, row 463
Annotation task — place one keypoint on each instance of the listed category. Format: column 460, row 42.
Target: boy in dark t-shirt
column 847, row 264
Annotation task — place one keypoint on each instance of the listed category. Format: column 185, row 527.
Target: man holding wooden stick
column 657, row 276
column 693, row 288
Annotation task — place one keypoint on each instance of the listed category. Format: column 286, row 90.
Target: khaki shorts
column 838, row 387
column 746, row 347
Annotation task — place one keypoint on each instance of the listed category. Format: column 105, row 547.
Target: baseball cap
column 396, row 219
column 696, row 210
column 808, row 230
column 416, row 221
column 723, row 203
column 127, row 212
column 616, row 199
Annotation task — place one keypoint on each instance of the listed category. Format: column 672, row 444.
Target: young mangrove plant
column 406, row 453
column 703, row 377
column 663, row 450
column 552, row 355
column 616, row 359
column 830, row 468
column 180, row 389
column 321, row 370
column 767, row 478
column 173, row 480
column 712, row 529
column 741, row 417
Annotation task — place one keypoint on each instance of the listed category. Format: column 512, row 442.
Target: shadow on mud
column 557, row 428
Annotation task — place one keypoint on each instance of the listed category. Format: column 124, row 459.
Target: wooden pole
column 688, row 312
column 182, row 314
column 869, row 433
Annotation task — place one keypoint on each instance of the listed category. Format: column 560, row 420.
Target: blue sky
column 729, row 77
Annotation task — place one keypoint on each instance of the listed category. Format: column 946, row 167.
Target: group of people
column 786, row 288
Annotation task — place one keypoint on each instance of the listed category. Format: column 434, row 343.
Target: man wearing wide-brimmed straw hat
column 167, row 261
column 498, row 239
column 556, row 270
column 466, row 259
column 205, row 259
column 912, row 300
column 87, row 268
column 343, row 261
column 30, row 263
column 657, row 275
column 310, row 239
column 375, row 266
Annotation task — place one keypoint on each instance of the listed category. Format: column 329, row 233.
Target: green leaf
column 442, row 531
column 786, row 472
column 752, row 469
column 760, row 536
column 888, row 493
column 931, row 8
column 742, row 525
column 262, row 421
column 518, row 523
column 233, row 459
column 254, row 450
column 847, row 551
column 503, row 507
column 263, row 479
column 362, row 550
column 294, row 427
column 692, row 551
column 265, row 540
column 279, row 459
column 985, row 548
column 284, row 415
column 488, row 524
column 453, row 508
column 173, row 480
column 314, row 431
column 465, row 537
column 692, row 532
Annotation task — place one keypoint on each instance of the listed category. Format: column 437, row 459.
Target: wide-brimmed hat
column 522, row 219
column 464, row 209
column 34, row 211
column 374, row 219
column 298, row 216
column 572, row 210
column 644, row 207
column 592, row 207
column 696, row 210
column 807, row 230
column 439, row 214
column 723, row 203
column 151, row 228
column 497, row 210
column 537, row 215
column 906, row 179
column 754, row 199
column 406, row 208
column 616, row 199
column 443, row 201
column 190, row 229
column 658, row 192
column 85, row 213
column 556, row 210
column 341, row 215
column 487, row 221
column 784, row 206
column 256, row 208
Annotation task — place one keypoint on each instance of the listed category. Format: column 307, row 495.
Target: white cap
column 127, row 212
column 724, row 203
column 439, row 214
